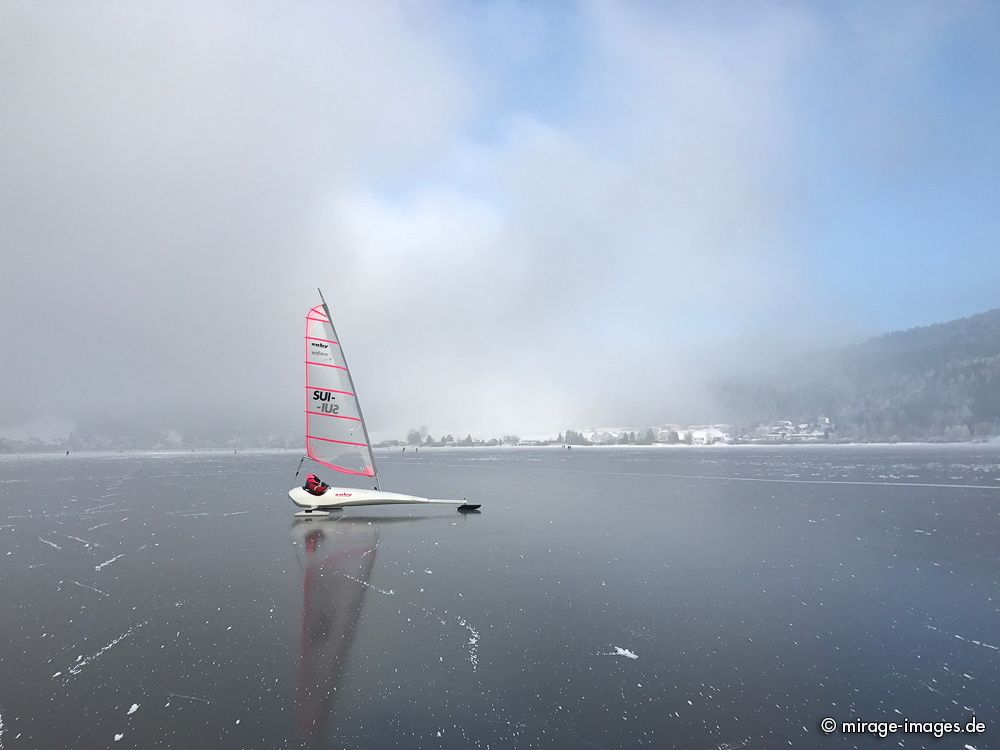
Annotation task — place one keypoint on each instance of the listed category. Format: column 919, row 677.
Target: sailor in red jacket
column 314, row 485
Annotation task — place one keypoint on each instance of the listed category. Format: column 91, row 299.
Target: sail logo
column 324, row 398
column 319, row 350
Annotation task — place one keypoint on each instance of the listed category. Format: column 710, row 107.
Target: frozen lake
column 714, row 598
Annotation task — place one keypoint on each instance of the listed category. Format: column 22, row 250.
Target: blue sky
column 906, row 228
column 891, row 152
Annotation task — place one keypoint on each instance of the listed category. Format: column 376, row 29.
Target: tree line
column 939, row 382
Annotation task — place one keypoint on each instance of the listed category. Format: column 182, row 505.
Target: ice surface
column 696, row 560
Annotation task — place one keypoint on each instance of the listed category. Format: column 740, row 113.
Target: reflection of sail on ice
column 336, row 435
column 338, row 566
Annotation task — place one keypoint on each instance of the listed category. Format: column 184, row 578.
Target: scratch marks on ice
column 85, row 586
column 968, row 640
column 367, row 585
column 978, row 643
column 84, row 542
column 82, row 662
column 473, row 634
column 190, row 698
column 108, row 562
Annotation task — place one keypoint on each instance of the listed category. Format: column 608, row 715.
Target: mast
column 354, row 390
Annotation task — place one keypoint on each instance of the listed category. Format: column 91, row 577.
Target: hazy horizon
column 524, row 218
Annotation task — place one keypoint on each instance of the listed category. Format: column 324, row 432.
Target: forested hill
column 938, row 382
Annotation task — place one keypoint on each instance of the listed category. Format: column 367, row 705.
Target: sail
column 335, row 429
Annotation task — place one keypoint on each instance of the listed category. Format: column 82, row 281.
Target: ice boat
column 336, row 434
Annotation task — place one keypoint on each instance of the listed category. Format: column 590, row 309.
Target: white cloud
column 523, row 216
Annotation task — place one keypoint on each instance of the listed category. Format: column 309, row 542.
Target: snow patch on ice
column 133, row 709
column 733, row 745
column 118, row 737
column 619, row 651
column 473, row 643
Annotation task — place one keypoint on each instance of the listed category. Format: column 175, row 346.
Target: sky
column 524, row 216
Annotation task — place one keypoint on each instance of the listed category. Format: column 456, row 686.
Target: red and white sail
column 335, row 429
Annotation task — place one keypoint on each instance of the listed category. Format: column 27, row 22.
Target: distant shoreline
column 679, row 446
column 397, row 450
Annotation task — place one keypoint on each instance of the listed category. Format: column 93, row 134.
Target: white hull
column 347, row 497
